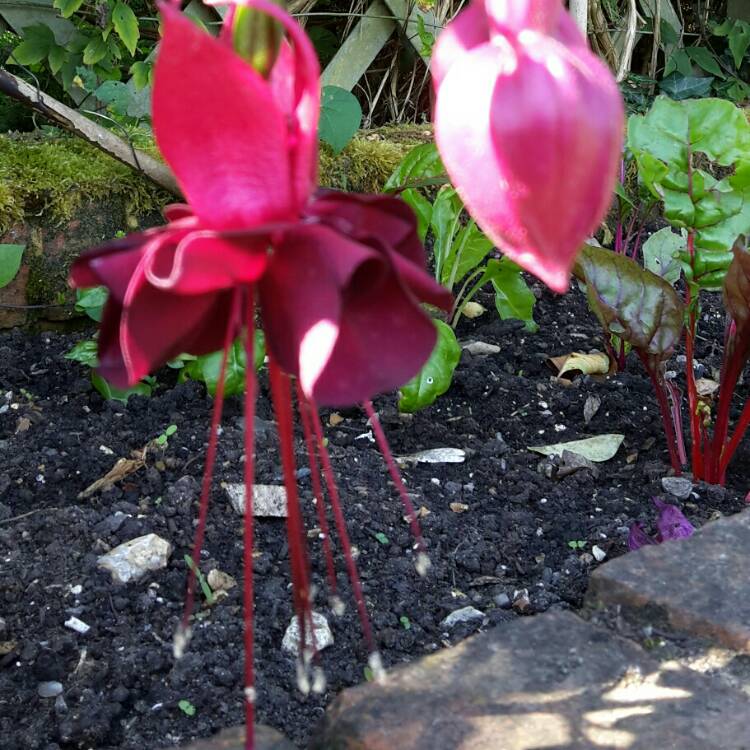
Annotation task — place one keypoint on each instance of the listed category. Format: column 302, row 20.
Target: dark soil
column 511, row 531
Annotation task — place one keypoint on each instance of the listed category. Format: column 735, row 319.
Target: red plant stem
column 282, row 404
column 696, row 448
column 208, row 472
column 385, row 449
column 340, row 521
column 739, row 432
column 304, row 410
column 666, row 414
column 248, row 523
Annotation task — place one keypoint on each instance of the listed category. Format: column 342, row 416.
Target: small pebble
column 49, row 689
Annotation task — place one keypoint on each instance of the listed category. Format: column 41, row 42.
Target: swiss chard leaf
column 436, row 375
column 630, row 302
column 661, row 254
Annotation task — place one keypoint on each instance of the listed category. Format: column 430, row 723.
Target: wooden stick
column 76, row 123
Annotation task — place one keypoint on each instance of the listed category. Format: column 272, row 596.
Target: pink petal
column 219, row 129
column 469, row 29
column 301, row 297
column 205, row 262
column 177, row 212
column 530, row 134
column 671, row 523
column 638, row 538
column 301, row 105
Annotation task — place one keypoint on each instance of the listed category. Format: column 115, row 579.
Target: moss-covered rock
column 59, row 196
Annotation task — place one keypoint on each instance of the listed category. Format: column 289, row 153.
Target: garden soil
column 509, row 532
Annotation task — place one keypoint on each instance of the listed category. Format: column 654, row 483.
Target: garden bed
column 496, row 524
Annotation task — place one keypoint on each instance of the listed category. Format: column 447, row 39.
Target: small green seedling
column 163, row 439
column 208, row 594
column 381, row 537
column 405, row 622
column 186, row 707
column 577, row 544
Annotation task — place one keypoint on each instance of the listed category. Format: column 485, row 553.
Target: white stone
column 465, row 614
column 269, row 500
column 481, row 347
column 323, row 635
column 132, row 560
column 49, row 689
column 598, row 553
column 679, row 487
column 78, row 625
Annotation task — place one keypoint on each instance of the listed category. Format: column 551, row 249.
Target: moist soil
column 508, row 532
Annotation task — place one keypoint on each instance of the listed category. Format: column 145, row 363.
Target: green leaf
column 126, row 26
column 141, row 73
column 91, row 301
column 10, row 262
column 340, row 117
column 469, row 249
column 109, row 392
column 95, row 51
column 85, row 352
column 115, row 95
column 685, row 87
column 661, row 254
column 207, row 368
column 186, row 707
column 436, row 375
column 381, row 537
column 67, row 7
column 326, row 43
column 704, row 58
column 56, row 58
column 630, row 302
column 422, row 209
column 513, row 298
column 739, row 41
column 445, row 223
column 678, row 62
column 38, row 39
column 421, row 162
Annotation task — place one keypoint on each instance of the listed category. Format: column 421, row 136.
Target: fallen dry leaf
column 218, row 580
column 599, row 448
column 7, row 647
column 575, row 363
column 122, row 468
column 335, row 418
column 706, row 386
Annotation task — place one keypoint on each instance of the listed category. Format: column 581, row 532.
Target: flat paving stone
column 266, row 738
column 551, row 681
column 699, row 586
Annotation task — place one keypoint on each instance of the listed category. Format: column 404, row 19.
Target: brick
column 551, row 681
column 698, row 586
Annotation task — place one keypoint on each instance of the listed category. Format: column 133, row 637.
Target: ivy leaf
column 85, row 352
column 340, row 116
column 141, row 73
column 95, row 51
column 686, row 87
column 67, row 7
column 37, row 42
column 436, row 375
column 56, row 58
column 91, row 301
column 513, row 298
column 10, row 262
column 126, row 26
column 739, row 41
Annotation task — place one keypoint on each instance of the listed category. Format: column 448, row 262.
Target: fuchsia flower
column 670, row 524
column 339, row 278
column 529, row 124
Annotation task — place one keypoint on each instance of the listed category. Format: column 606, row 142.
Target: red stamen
column 306, row 416
column 338, row 516
column 282, row 404
column 422, row 562
column 182, row 636
column 248, row 593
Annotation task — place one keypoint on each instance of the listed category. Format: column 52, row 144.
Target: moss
column 55, row 176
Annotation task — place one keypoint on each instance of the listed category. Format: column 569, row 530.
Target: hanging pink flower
column 338, row 279
column 529, row 124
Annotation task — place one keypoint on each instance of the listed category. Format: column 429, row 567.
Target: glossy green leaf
column 631, row 302
column 513, row 298
column 469, row 249
column 10, row 262
column 445, row 222
column 435, row 377
column 141, row 72
column 739, row 41
column 421, row 162
column 56, row 58
column 422, row 210
column 126, row 26
column 85, row 352
column 340, row 117
column 109, row 392
column 91, row 301
column 661, row 254
column 678, row 62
